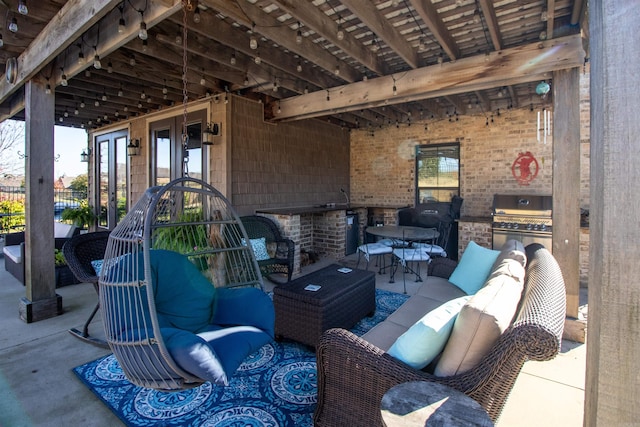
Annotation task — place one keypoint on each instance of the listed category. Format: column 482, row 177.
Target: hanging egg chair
column 180, row 289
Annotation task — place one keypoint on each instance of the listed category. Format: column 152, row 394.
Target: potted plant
column 81, row 216
column 64, row 276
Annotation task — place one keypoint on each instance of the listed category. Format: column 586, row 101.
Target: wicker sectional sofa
column 355, row 372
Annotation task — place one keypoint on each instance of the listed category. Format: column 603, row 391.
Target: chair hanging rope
column 186, row 4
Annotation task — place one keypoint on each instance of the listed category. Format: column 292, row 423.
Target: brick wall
column 383, row 165
column 286, row 164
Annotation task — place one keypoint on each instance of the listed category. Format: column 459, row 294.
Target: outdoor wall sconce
column 212, row 130
column 133, row 149
column 84, row 156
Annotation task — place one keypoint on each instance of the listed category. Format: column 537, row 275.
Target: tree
column 80, row 183
column 11, row 139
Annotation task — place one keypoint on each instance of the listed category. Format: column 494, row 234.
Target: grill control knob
column 529, row 226
column 543, row 227
column 516, row 226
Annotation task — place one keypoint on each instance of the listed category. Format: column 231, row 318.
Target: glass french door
column 112, row 172
column 169, row 158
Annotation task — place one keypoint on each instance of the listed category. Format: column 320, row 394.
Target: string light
column 142, row 32
column 233, row 59
column 196, row 15
column 109, row 67
column 179, row 37
column 257, row 59
column 96, row 60
column 246, row 80
column 13, row 25
column 80, row 55
column 22, row 7
column 337, row 70
column 120, row 91
column 253, row 42
column 1, row 40
column 143, row 95
column 328, row 97
column 164, row 87
column 121, row 26
column 145, row 45
column 104, row 95
column 63, row 78
column 299, row 34
column 299, row 67
column 203, row 80
column 340, row 33
column 132, row 61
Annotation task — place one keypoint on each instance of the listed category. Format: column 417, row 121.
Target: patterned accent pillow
column 260, row 248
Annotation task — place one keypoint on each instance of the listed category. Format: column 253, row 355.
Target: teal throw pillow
column 97, row 265
column 474, row 268
column 185, row 298
column 423, row 341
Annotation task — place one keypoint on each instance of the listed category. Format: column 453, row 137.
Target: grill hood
column 531, row 205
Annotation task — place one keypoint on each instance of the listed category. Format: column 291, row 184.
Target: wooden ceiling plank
column 75, row 17
column 216, row 29
column 273, row 29
column 110, row 39
column 489, row 13
column 381, row 27
column 324, row 26
column 429, row 15
column 551, row 16
column 510, row 66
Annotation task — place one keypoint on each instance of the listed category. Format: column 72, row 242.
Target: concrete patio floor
column 38, row 388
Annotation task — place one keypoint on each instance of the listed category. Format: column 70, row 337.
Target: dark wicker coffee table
column 342, row 300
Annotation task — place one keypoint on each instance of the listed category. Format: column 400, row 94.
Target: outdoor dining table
column 403, row 236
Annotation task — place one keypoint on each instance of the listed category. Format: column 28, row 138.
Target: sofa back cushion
column 483, row 319
column 63, row 230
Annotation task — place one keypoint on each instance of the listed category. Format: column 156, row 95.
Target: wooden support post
column 613, row 336
column 41, row 301
column 566, row 181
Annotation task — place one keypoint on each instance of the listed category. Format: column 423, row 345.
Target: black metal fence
column 12, row 206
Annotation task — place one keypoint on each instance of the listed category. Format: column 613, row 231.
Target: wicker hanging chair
column 180, row 289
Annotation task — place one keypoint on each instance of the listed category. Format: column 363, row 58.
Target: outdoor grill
column 524, row 218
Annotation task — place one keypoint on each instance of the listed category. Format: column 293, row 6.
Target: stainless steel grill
column 524, row 218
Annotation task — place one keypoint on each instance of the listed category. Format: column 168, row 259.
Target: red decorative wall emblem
column 525, row 168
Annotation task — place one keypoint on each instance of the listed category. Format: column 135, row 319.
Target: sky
column 68, row 144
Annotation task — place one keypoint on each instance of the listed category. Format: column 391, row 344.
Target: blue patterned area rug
column 276, row 386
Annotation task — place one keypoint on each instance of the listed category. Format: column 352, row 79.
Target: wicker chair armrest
column 353, row 375
column 285, row 248
column 442, row 267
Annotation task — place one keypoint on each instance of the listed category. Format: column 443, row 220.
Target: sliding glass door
column 112, row 172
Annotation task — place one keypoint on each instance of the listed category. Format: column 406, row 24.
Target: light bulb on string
column 253, row 42
column 299, row 34
column 196, row 15
column 22, row 7
column 142, row 32
column 63, row 78
column 299, row 67
column 232, row 61
column 13, row 25
column 109, row 67
column 257, row 59
column 178, row 39
column 121, row 26
column 96, row 62
column 80, row 56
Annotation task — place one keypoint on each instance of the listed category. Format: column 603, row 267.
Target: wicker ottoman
column 340, row 302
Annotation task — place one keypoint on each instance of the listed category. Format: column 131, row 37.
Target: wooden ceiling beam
column 274, row 30
column 510, row 66
column 324, row 26
column 381, row 27
column 429, row 14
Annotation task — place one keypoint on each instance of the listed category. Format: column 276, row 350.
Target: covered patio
column 284, row 101
column 40, row 388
